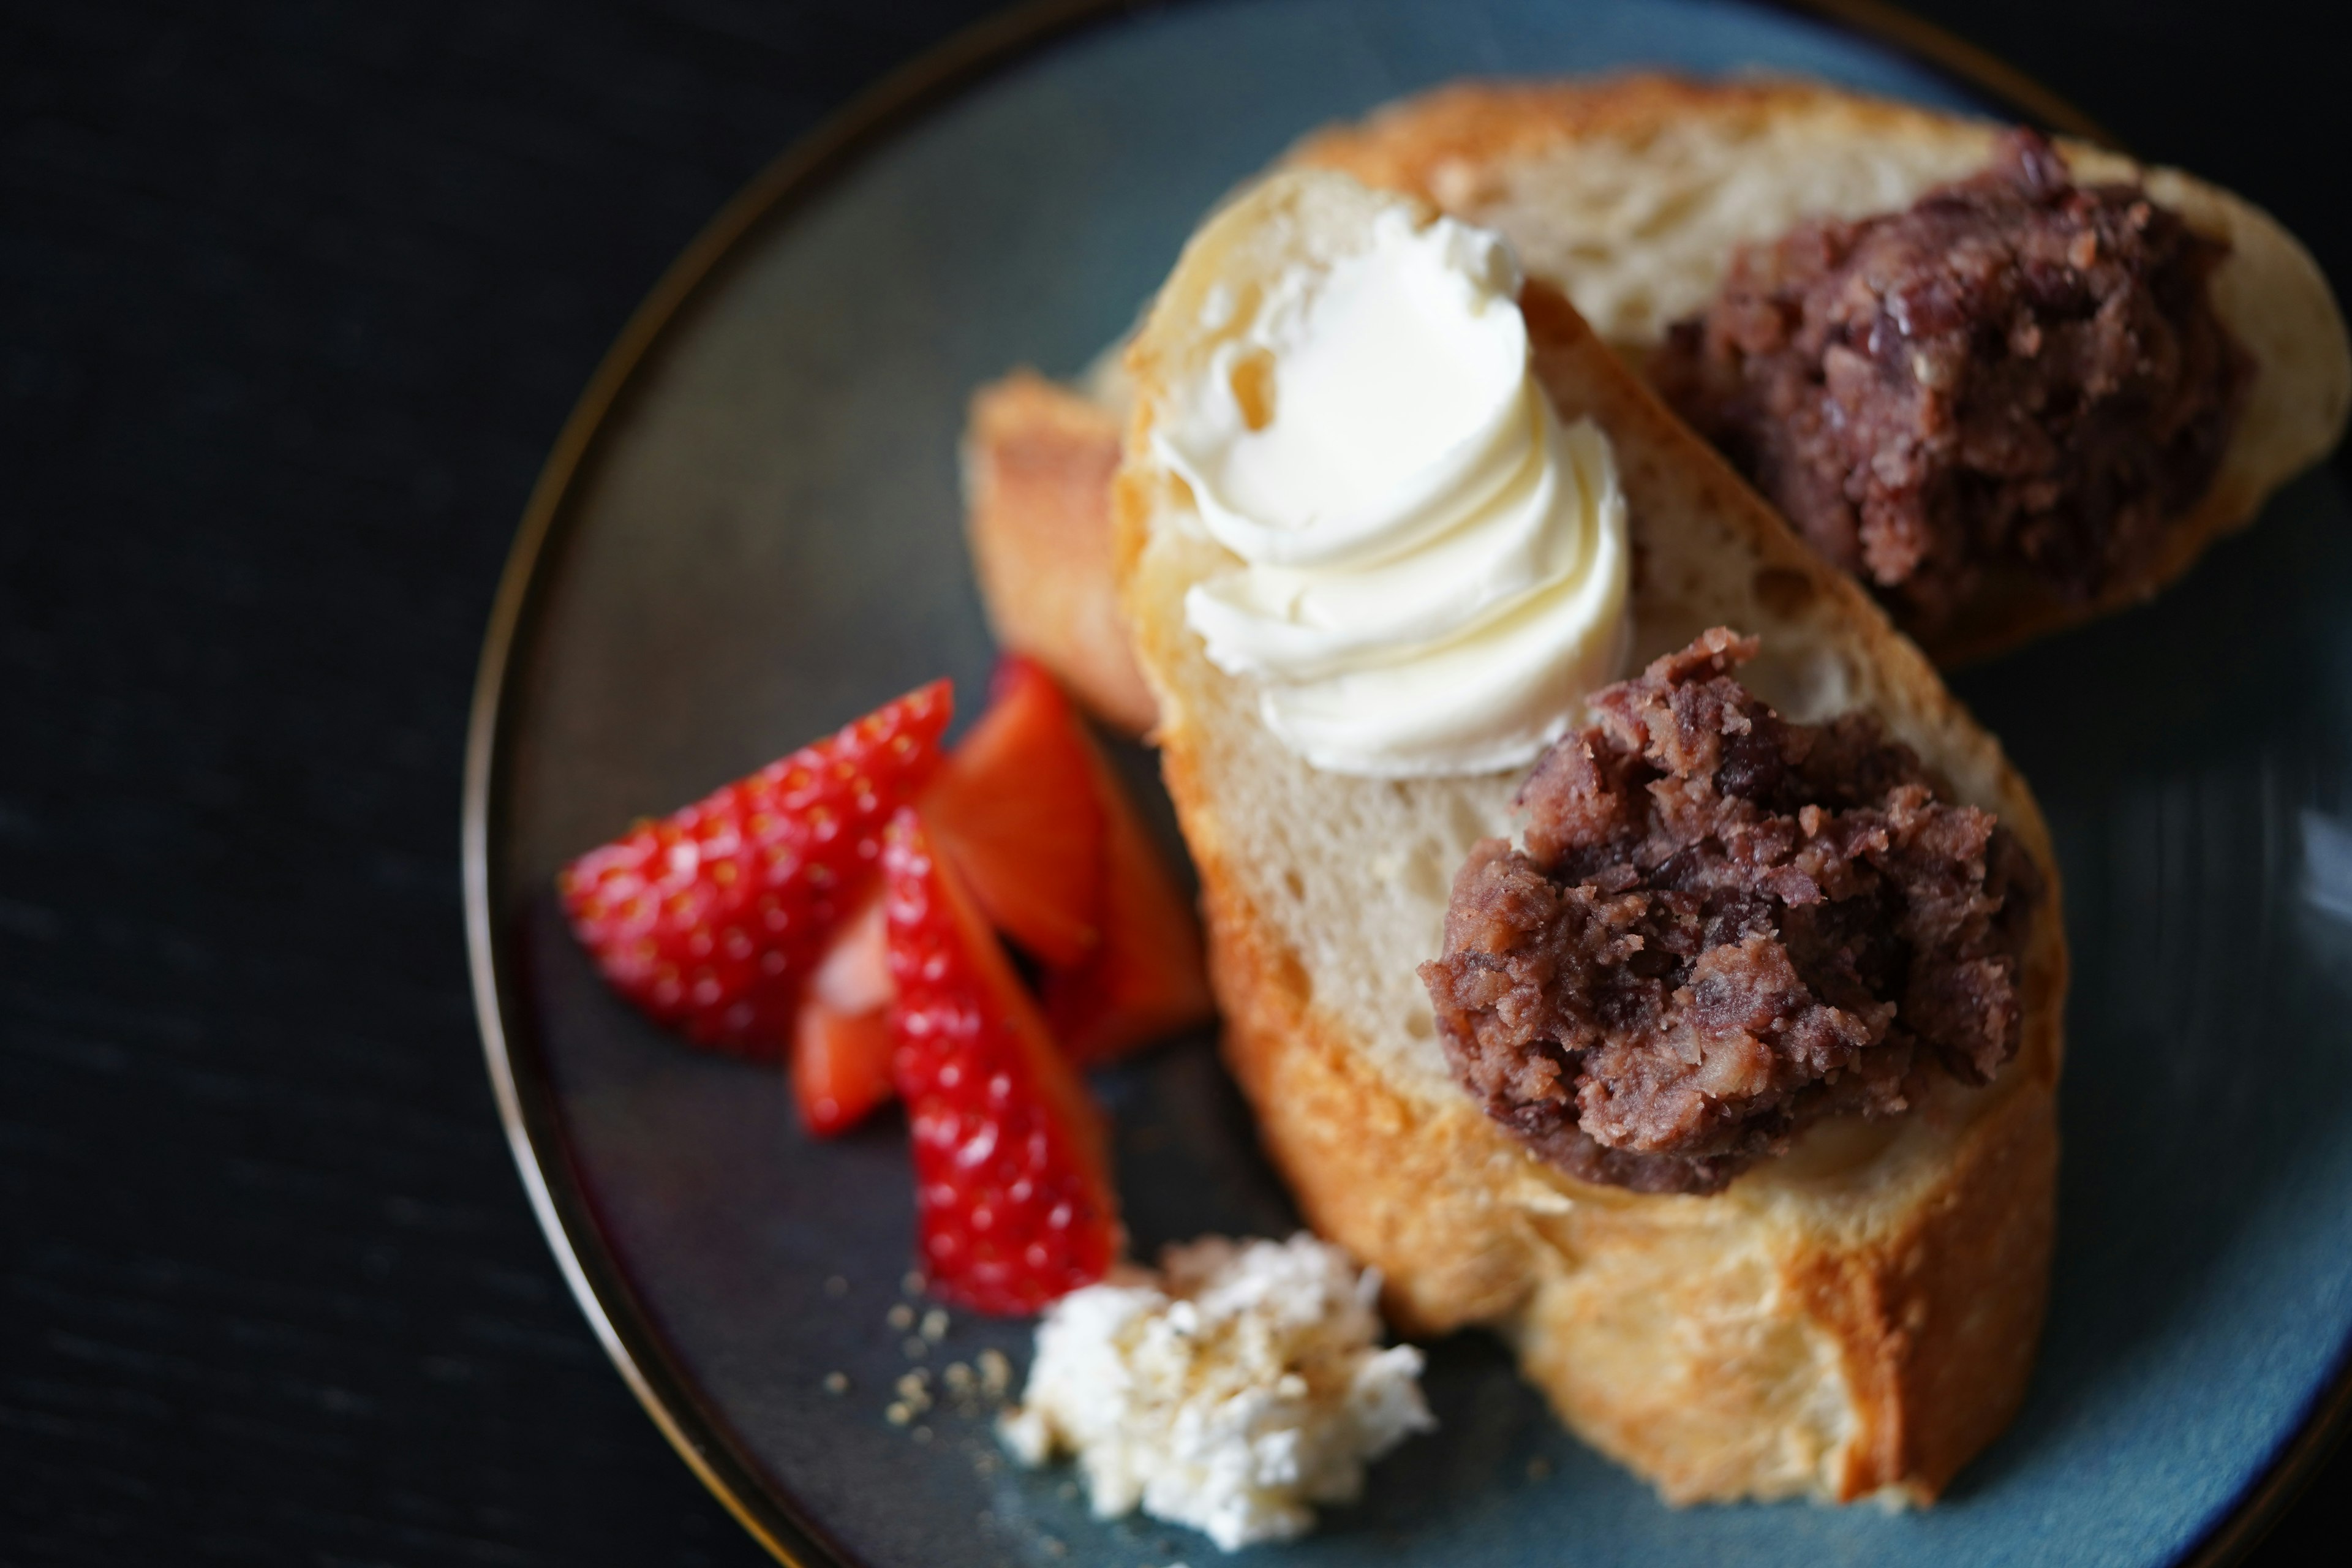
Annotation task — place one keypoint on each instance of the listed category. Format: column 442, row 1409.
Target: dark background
column 293, row 299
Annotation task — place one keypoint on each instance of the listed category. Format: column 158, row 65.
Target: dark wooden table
column 293, row 298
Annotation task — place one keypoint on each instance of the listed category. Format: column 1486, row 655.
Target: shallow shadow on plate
column 2180, row 752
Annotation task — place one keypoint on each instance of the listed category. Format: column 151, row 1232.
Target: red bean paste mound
column 2016, row 373
column 1724, row 926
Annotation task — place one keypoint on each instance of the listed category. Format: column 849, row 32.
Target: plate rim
column 519, row 1078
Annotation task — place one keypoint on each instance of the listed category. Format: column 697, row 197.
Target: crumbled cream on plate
column 1233, row 1390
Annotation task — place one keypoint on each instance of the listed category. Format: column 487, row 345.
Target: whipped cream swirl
column 1436, row 569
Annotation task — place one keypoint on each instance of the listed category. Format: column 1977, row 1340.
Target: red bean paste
column 2016, row 373
column 1723, row 927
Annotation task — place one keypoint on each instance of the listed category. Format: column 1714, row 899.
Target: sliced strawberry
column 1012, row 1187
column 710, row 919
column 840, row 1065
column 853, row 975
column 841, row 1036
column 1146, row 980
column 1017, row 811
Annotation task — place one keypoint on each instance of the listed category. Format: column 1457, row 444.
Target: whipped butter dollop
column 1436, row 569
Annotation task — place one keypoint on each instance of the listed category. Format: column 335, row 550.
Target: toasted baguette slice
column 1631, row 194
column 1038, row 461
column 1856, row 1317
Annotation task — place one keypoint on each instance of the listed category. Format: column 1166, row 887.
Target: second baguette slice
column 1857, row 1316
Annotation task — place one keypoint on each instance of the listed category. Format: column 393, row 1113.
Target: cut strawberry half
column 1017, row 810
column 1146, row 979
column 840, row 1065
column 1012, row 1189
column 710, row 919
column 841, row 1036
column 854, row 974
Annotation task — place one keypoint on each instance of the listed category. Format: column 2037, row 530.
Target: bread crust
column 1856, row 1317
column 1451, row 145
column 1037, row 465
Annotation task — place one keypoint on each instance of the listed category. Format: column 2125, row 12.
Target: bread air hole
column 1253, row 384
column 1429, row 874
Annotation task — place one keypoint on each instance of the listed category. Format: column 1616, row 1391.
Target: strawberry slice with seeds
column 1145, row 980
column 710, row 919
column 1017, row 809
column 1012, row 1189
column 853, row 975
column 841, row 1037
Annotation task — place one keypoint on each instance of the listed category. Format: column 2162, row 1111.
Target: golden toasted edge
column 1934, row 1324
column 1443, row 143
column 1449, row 144
column 1037, row 465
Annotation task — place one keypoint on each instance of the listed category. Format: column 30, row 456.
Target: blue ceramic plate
column 750, row 534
